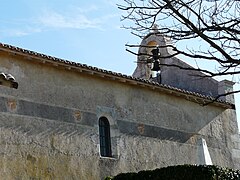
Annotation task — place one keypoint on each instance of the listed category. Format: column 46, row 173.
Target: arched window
column 105, row 138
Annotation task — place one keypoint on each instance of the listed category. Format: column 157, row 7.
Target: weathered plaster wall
column 49, row 125
column 187, row 79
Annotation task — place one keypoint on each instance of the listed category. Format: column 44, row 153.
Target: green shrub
column 182, row 172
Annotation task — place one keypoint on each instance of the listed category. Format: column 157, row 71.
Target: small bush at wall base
column 182, row 172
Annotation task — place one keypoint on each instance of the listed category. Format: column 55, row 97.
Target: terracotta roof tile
column 7, row 47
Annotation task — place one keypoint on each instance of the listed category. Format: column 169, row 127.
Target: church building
column 66, row 120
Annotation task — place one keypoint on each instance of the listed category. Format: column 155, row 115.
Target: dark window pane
column 105, row 138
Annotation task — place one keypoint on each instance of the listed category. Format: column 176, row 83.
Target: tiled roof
column 192, row 96
column 8, row 80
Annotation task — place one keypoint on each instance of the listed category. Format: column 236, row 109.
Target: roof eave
column 83, row 68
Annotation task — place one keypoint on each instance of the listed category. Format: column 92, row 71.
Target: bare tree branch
column 215, row 25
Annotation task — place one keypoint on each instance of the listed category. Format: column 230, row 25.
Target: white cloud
column 77, row 19
column 90, row 17
column 18, row 32
column 90, row 8
column 111, row 2
column 53, row 19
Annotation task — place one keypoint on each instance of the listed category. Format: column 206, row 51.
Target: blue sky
column 85, row 31
column 88, row 32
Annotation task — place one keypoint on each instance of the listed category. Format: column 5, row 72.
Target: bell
column 155, row 53
column 156, row 66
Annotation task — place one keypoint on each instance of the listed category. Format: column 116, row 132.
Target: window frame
column 104, row 137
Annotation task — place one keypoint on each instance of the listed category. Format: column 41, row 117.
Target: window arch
column 105, row 138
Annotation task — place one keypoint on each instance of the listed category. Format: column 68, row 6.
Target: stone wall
column 190, row 80
column 176, row 72
column 49, row 125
